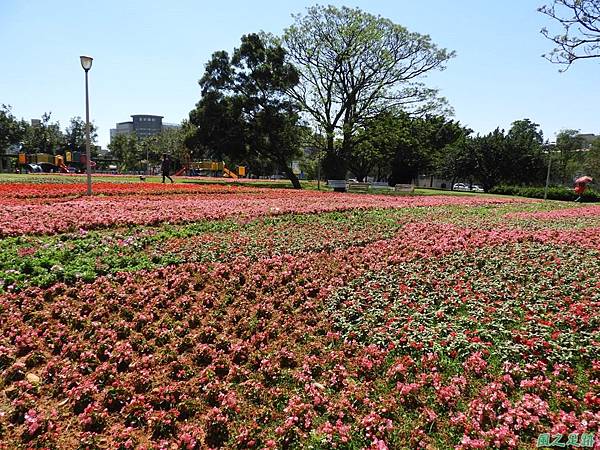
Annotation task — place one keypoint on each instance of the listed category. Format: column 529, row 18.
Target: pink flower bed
column 58, row 215
column 255, row 354
column 568, row 213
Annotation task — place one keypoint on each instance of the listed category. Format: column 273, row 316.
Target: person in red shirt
column 579, row 190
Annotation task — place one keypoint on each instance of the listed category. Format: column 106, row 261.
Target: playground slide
column 180, row 172
column 229, row 173
column 63, row 168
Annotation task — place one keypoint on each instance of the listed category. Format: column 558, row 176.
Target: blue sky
column 148, row 56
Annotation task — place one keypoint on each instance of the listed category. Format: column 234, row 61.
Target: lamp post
column 548, row 149
column 86, row 63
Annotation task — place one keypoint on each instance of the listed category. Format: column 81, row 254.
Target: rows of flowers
column 579, row 212
column 24, row 193
column 102, row 212
column 429, row 335
column 43, row 260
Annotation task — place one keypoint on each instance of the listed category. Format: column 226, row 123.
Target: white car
column 477, row 188
column 460, row 187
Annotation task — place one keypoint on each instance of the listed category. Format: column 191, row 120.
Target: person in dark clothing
column 166, row 168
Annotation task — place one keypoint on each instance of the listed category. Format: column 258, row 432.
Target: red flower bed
column 57, row 190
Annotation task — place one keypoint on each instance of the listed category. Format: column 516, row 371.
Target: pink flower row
column 568, row 213
column 98, row 212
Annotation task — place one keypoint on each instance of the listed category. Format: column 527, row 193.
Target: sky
column 149, row 55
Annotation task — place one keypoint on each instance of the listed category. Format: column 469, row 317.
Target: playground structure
column 211, row 168
column 55, row 163
column 48, row 163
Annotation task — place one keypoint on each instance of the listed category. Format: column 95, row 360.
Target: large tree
column 128, row 150
column 568, row 157
column 44, row 137
column 353, row 66
column 12, row 131
column 422, row 144
column 592, row 160
column 580, row 34
column 75, row 136
column 374, row 145
column 489, row 154
column 171, row 141
column 244, row 107
column 523, row 160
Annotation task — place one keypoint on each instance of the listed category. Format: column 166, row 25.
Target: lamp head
column 86, row 62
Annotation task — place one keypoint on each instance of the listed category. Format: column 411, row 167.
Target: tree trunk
column 292, row 177
column 334, row 164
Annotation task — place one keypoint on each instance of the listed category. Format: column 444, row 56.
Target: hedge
column 554, row 192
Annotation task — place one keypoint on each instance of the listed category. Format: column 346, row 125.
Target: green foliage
column 128, row 149
column 45, row 138
column 592, row 160
column 75, row 135
column 244, row 111
column 353, row 66
column 554, row 192
column 422, row 144
column 515, row 157
column 171, row 141
column 566, row 157
column 12, row 131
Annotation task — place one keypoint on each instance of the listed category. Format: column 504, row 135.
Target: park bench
column 404, row 188
column 337, row 185
column 358, row 187
column 381, row 186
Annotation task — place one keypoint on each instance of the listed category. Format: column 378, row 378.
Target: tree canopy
column 45, row 137
column 353, row 66
column 580, row 34
column 244, row 110
column 12, row 131
column 75, row 135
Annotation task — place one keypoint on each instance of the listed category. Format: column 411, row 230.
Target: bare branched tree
column 580, row 37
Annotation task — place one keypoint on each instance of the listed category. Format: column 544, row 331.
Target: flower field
column 208, row 316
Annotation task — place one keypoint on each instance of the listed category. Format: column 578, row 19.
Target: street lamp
column 548, row 150
column 86, row 63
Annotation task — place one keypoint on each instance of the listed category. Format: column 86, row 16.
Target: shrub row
column 554, row 192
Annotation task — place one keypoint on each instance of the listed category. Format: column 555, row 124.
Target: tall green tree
column 12, row 131
column 45, row 137
column 422, row 144
column 592, row 160
column 75, row 136
column 353, row 66
column 374, row 145
column 219, row 121
column 568, row 158
column 458, row 161
column 524, row 162
column 579, row 37
column 171, row 141
column 244, row 109
column 490, row 155
column 127, row 149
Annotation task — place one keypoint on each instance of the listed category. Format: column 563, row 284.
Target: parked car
column 477, row 188
column 460, row 187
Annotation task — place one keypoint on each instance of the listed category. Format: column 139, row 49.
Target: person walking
column 580, row 186
column 166, row 168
